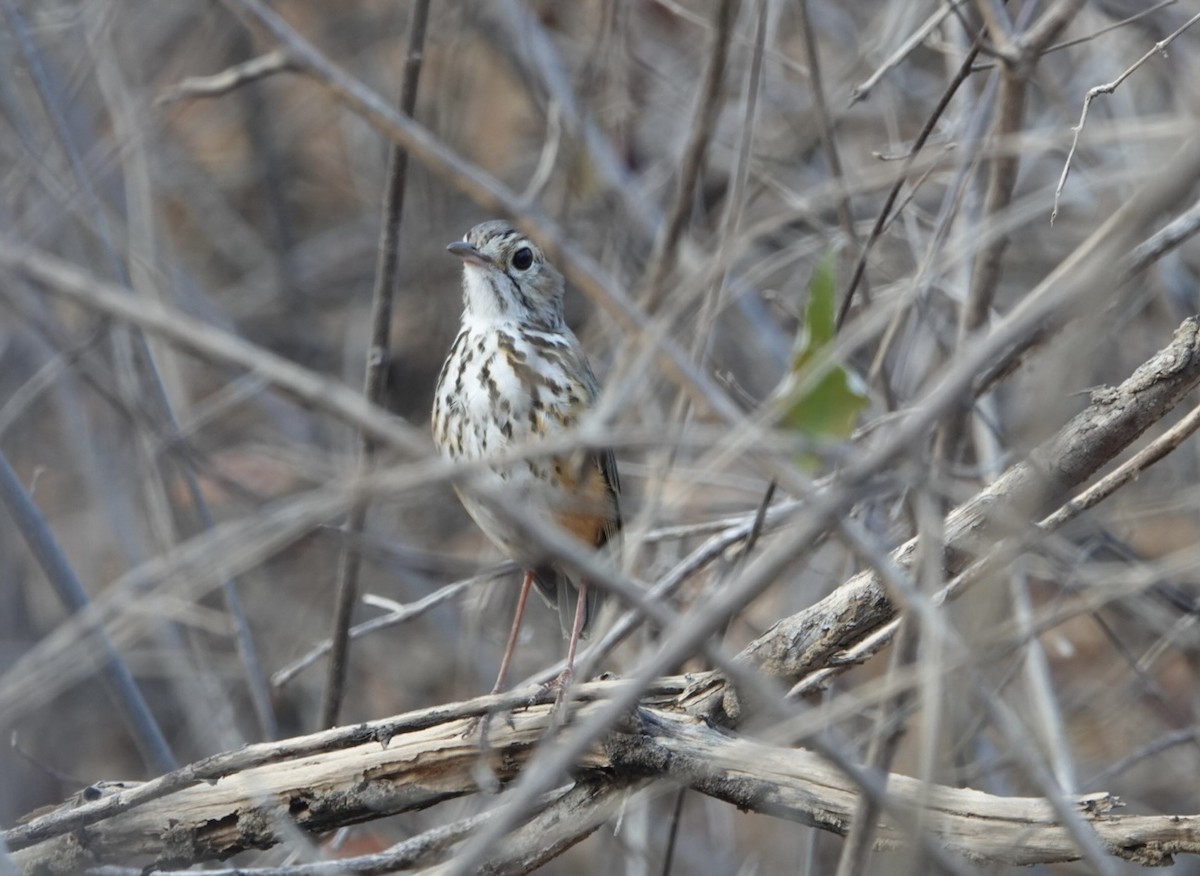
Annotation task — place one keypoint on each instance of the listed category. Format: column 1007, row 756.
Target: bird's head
column 506, row 277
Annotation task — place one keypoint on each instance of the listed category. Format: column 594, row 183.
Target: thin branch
column 1159, row 47
column 1093, row 438
column 227, row 80
column 1137, row 260
column 399, row 615
column 534, row 50
column 220, row 345
column 113, row 672
column 1129, row 470
column 708, row 106
column 1181, row 228
column 885, row 212
column 775, row 56
column 731, row 218
column 1002, row 178
column 1043, row 32
column 549, row 155
column 985, row 276
column 863, row 90
column 826, row 127
column 31, row 390
column 590, row 803
column 375, row 381
column 1170, row 740
column 1087, row 38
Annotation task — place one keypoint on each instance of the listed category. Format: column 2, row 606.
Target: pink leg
column 502, row 678
column 576, row 630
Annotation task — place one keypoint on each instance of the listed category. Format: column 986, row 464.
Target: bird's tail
column 562, row 593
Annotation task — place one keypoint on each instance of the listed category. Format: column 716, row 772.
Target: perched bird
column 516, row 374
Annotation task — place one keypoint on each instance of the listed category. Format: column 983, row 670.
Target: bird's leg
column 505, row 661
column 563, row 680
column 502, row 677
column 576, row 631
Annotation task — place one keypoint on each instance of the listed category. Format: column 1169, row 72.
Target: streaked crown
column 506, row 278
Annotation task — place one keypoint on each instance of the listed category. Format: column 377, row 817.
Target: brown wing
column 607, row 463
column 594, row 519
column 594, row 513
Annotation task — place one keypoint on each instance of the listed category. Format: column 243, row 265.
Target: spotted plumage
column 517, row 374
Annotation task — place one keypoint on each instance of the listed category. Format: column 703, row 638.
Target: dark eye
column 522, row 258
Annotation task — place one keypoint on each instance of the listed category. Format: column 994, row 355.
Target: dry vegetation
column 194, row 197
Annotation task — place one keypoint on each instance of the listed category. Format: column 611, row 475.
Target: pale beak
column 470, row 254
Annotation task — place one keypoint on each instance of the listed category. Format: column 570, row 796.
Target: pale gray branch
column 337, row 777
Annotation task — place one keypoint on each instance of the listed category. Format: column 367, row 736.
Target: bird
column 517, row 374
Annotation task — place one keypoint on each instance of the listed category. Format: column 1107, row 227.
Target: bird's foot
column 477, row 725
column 481, row 724
column 558, row 686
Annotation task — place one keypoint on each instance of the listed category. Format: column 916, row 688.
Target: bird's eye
column 522, row 258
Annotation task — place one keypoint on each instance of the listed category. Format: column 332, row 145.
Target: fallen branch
column 340, row 777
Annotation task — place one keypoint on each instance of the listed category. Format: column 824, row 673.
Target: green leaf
column 822, row 398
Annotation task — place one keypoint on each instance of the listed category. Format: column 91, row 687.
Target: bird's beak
column 470, row 254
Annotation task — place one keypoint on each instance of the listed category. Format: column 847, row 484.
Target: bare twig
column 1170, row 740
column 889, row 729
column 775, row 56
column 1042, row 32
column 1159, row 47
column 397, row 616
column 113, row 672
column 1126, row 472
column 545, row 166
column 735, row 199
column 985, row 276
column 528, row 40
column 227, row 80
column 30, row 391
column 63, row 278
column 1181, row 228
column 1087, row 38
column 708, row 105
column 1021, row 54
column 828, row 132
column 863, row 90
column 375, row 381
column 885, row 212
column 1060, row 462
column 555, row 828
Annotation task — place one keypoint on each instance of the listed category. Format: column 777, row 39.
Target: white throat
column 481, row 304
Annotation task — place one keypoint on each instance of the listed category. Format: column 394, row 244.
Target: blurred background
column 258, row 210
